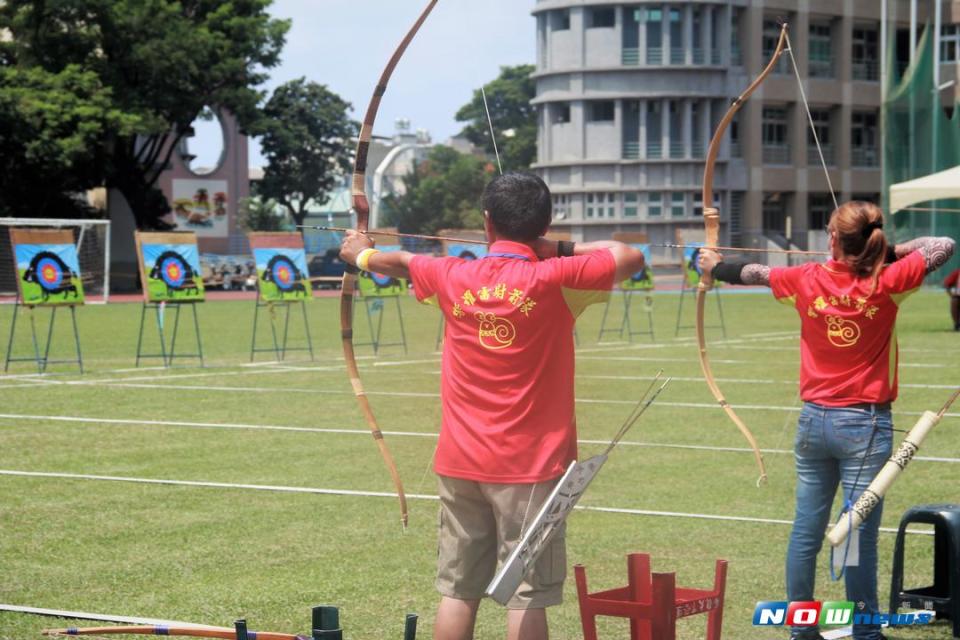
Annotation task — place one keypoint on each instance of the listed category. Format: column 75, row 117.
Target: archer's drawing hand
column 353, row 243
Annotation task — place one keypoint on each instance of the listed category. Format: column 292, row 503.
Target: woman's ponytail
column 859, row 229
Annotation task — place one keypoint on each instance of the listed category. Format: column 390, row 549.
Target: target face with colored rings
column 50, row 272
column 284, row 273
column 382, row 280
column 173, row 271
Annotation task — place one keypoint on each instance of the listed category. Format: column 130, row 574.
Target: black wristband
column 729, row 272
column 564, row 248
column 891, row 256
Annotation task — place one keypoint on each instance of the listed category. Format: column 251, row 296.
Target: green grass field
column 211, row 555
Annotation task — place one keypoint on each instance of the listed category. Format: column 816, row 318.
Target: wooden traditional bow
column 711, row 223
column 362, row 209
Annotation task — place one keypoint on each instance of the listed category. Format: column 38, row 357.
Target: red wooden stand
column 652, row 603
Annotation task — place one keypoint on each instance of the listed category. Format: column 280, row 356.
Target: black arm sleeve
column 729, row 272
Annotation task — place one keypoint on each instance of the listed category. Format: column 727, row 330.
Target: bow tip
column 762, row 480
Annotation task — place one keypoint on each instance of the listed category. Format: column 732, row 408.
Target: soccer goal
column 92, row 238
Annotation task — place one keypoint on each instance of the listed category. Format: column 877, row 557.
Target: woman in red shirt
column 848, row 380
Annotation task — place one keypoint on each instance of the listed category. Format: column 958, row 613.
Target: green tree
column 306, row 137
column 514, row 118
column 262, row 214
column 442, row 192
column 51, row 128
column 160, row 62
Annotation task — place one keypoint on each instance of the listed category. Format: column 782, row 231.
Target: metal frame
column 625, row 323
column 44, row 360
column 377, row 332
column 279, row 349
column 716, row 290
column 168, row 356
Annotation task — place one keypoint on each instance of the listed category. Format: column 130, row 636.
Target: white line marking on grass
column 741, row 380
column 366, row 432
column 383, row 494
column 413, row 394
column 212, row 425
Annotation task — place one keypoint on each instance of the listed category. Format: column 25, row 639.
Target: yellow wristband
column 363, row 259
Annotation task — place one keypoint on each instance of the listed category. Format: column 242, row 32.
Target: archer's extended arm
column 936, row 251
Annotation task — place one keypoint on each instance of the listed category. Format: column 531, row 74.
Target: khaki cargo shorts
column 480, row 524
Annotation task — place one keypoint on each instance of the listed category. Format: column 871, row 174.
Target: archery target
column 50, row 273
column 173, row 271
column 283, row 273
column 383, row 281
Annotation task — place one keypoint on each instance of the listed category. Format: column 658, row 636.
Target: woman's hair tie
column 870, row 226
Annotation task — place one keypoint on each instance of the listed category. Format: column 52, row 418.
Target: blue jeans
column 832, row 448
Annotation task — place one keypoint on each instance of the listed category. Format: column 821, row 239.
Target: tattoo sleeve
column 935, row 251
column 755, row 274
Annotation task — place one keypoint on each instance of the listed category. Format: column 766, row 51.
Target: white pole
column 913, row 31
column 106, row 265
column 885, row 196
column 937, row 21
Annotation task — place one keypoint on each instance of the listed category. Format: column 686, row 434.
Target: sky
column 345, row 44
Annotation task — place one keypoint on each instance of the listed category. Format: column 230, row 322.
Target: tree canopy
column 306, row 137
column 514, row 118
column 148, row 67
column 442, row 192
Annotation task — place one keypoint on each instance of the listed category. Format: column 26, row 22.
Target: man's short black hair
column 519, row 205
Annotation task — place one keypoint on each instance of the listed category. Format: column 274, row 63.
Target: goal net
column 92, row 239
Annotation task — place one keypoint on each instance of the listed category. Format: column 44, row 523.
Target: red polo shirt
column 848, row 339
column 508, row 362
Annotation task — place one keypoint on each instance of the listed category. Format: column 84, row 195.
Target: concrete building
column 630, row 94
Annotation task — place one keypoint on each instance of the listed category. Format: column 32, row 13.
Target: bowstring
column 813, row 129
column 493, row 137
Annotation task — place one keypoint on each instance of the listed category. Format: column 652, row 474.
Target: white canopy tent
column 944, row 184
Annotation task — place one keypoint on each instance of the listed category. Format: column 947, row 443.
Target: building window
column 654, row 131
column 654, row 204
column 601, row 17
column 560, row 20
column 696, row 134
column 865, row 54
column 654, row 23
column 950, row 43
column 736, row 147
column 863, row 139
column 677, row 52
column 601, row 205
column 774, row 213
column 736, row 53
column 676, row 130
column 698, row 203
column 561, row 112
column 770, row 38
column 820, row 206
column 630, row 202
column 821, row 125
column 776, row 149
column 821, row 51
column 678, row 204
column 601, row 111
column 561, row 206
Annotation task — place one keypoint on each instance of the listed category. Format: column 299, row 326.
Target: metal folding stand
column 44, row 360
column 440, row 327
column 166, row 355
column 377, row 332
column 625, row 322
column 280, row 348
column 722, row 326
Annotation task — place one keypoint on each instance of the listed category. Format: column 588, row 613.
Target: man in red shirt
column 509, row 427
